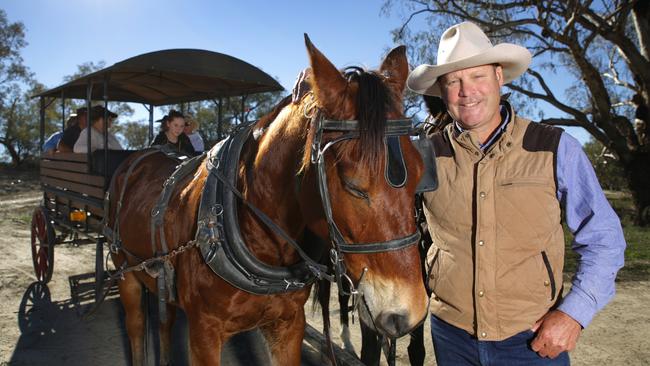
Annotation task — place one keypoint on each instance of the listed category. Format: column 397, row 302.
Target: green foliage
column 135, row 134
column 14, row 78
column 611, row 174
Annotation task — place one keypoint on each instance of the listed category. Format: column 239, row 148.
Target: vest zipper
column 551, row 278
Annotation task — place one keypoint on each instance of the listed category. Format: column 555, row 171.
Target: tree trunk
column 638, row 176
column 15, row 157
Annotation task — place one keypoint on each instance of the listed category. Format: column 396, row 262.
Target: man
column 97, row 122
column 495, row 266
column 72, row 131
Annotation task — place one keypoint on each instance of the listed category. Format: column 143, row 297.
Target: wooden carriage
column 74, row 184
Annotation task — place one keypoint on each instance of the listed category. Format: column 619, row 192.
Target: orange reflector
column 77, row 216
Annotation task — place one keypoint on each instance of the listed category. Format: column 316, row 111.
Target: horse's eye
column 357, row 192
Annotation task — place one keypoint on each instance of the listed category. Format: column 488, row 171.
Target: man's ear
column 498, row 70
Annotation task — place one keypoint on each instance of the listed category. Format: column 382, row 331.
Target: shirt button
column 481, row 242
column 476, row 153
column 483, row 335
column 546, row 283
column 481, row 293
column 482, row 194
column 492, row 156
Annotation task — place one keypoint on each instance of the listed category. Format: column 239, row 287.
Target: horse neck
column 269, row 181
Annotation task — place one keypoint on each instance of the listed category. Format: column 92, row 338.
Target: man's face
column 82, row 120
column 472, row 96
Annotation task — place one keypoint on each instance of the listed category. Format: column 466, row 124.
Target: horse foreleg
column 165, row 333
column 131, row 297
column 284, row 337
column 206, row 339
column 370, row 346
column 416, row 348
column 345, row 321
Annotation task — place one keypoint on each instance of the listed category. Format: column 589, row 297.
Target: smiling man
column 495, row 265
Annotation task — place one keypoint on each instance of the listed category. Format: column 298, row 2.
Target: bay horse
column 277, row 175
column 373, row 342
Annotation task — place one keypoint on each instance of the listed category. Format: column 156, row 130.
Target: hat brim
column 514, row 60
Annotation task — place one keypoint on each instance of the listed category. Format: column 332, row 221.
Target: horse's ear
column 328, row 83
column 396, row 67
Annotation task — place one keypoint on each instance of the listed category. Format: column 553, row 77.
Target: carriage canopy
column 170, row 76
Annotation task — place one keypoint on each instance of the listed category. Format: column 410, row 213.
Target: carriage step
column 82, row 288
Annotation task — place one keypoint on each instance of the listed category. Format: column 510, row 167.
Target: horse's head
column 364, row 168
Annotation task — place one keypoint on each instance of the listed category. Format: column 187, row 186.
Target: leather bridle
column 394, row 128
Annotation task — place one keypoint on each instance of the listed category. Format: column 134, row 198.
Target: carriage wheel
column 43, row 238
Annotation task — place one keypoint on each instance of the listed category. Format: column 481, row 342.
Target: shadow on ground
column 57, row 333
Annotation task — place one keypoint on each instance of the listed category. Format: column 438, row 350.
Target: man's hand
column 556, row 332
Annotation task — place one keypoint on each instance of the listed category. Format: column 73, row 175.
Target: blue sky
column 268, row 34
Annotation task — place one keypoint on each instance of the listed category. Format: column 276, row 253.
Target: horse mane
column 373, row 100
column 266, row 120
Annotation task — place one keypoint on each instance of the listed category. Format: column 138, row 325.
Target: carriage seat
column 115, row 158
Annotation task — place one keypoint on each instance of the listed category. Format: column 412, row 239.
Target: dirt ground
column 619, row 335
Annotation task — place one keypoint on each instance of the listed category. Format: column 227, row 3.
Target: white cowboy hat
column 465, row 45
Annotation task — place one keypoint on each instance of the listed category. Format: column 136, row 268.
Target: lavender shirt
column 597, row 230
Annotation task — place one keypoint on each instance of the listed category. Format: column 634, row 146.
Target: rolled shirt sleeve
column 598, row 236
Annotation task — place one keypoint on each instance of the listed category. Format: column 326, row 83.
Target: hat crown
column 462, row 41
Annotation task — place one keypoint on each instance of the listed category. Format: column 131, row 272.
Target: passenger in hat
column 72, row 131
column 171, row 133
column 100, row 119
column 51, row 143
column 497, row 256
column 191, row 131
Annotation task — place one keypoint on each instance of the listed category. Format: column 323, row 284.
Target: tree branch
column 561, row 122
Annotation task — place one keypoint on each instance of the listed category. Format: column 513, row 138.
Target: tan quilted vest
column 498, row 247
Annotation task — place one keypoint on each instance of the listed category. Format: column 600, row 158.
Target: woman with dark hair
column 171, row 133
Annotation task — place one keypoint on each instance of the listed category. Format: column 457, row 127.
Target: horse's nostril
column 394, row 324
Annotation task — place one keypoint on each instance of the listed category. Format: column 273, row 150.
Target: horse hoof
column 347, row 339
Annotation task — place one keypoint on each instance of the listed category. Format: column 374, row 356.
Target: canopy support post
column 62, row 111
column 42, row 130
column 107, row 77
column 243, row 108
column 220, row 119
column 89, row 92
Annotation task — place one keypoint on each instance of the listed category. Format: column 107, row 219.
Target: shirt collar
column 505, row 118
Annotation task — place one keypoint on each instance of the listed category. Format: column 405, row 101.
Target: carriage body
column 75, row 184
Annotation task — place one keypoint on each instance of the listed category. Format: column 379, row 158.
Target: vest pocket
column 522, row 181
column 549, row 269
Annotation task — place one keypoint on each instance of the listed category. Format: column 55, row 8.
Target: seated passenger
column 171, row 133
column 72, row 131
column 191, row 130
column 97, row 132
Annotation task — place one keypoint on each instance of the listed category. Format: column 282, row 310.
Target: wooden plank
column 317, row 340
column 63, row 201
column 64, row 194
column 86, row 179
column 63, row 211
column 75, row 187
column 65, row 165
column 67, row 156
